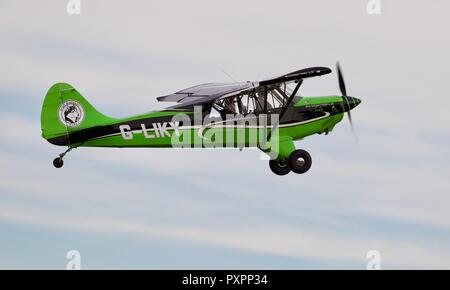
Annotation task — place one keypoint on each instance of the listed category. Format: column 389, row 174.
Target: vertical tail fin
column 65, row 111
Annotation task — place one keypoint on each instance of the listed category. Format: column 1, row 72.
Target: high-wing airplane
column 267, row 114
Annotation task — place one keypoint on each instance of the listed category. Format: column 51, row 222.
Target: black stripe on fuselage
column 99, row 131
column 292, row 115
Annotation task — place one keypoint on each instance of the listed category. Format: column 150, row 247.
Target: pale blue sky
column 162, row 208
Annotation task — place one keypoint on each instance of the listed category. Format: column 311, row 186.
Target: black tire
column 279, row 167
column 300, row 161
column 58, row 162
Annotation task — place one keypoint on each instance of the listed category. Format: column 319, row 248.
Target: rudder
column 65, row 111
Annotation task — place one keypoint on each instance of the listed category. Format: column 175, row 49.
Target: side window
column 274, row 100
column 248, row 104
column 253, row 101
column 214, row 113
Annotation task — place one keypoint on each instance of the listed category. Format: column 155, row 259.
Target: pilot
column 230, row 105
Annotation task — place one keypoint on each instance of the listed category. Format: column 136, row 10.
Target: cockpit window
column 253, row 100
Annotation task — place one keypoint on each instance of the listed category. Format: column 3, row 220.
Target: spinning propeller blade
column 344, row 94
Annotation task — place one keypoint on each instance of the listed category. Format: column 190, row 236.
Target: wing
column 209, row 92
column 204, row 91
column 297, row 75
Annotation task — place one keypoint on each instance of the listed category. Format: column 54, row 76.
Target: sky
column 388, row 191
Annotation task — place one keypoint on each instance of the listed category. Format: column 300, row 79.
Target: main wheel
column 279, row 167
column 58, row 162
column 300, row 161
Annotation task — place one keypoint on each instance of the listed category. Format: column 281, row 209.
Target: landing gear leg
column 58, row 162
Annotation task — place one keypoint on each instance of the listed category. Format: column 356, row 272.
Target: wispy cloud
column 381, row 193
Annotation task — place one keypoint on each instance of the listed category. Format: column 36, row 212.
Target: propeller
column 344, row 94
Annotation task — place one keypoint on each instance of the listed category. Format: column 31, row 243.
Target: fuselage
column 197, row 128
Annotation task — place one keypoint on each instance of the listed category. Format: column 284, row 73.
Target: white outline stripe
column 327, row 114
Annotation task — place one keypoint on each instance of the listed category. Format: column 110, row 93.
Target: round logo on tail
column 71, row 113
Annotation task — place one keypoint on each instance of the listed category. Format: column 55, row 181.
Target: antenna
column 228, row 75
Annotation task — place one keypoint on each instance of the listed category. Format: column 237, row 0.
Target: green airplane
column 268, row 115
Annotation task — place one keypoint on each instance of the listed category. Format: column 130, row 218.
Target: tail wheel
column 58, row 162
column 300, row 161
column 279, row 167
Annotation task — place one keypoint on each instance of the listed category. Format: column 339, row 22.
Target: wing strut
column 286, row 106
